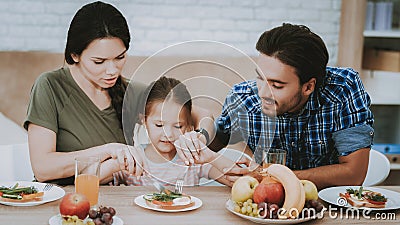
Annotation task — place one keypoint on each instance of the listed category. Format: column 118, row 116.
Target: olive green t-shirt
column 59, row 104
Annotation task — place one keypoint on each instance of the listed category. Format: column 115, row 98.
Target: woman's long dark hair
column 95, row 21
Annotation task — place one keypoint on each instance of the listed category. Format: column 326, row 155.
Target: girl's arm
column 47, row 164
column 217, row 175
column 219, row 163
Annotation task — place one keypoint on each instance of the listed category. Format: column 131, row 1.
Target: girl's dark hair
column 95, row 21
column 296, row 46
column 165, row 89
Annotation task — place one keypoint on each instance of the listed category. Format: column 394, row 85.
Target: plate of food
column 168, row 201
column 23, row 193
column 361, row 197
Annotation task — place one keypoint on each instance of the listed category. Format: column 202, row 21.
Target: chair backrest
column 229, row 153
column 15, row 164
column 378, row 168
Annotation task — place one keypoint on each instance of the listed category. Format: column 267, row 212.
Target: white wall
column 42, row 25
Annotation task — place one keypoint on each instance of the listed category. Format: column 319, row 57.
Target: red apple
column 269, row 191
column 75, row 204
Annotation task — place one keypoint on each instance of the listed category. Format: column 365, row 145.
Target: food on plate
column 269, row 190
column 17, row 193
column 243, row 188
column 74, row 204
column 168, row 200
column 280, row 195
column 310, row 190
column 364, row 198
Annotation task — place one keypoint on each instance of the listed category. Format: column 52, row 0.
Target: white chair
column 378, row 168
column 15, row 164
column 231, row 154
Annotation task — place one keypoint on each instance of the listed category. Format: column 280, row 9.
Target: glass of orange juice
column 87, row 172
column 273, row 156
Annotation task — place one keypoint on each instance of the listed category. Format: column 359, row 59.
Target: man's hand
column 246, row 166
column 188, row 146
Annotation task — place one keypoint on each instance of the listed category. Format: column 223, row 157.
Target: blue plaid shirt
column 335, row 121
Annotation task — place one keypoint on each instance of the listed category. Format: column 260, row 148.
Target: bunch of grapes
column 102, row 216
column 311, row 208
column 268, row 210
column 247, row 208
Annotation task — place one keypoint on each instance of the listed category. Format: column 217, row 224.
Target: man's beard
column 280, row 108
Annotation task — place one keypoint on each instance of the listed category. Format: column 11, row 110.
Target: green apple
column 243, row 188
column 310, row 189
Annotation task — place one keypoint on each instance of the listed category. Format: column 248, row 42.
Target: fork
column 180, row 182
column 47, row 187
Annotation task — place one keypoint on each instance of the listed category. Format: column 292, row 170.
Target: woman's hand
column 139, row 159
column 120, row 152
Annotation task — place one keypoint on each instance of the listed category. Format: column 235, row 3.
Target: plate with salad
column 168, row 201
column 23, row 193
column 372, row 198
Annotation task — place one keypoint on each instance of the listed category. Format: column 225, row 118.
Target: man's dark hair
column 296, row 46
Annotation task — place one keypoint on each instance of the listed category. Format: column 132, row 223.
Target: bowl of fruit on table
column 275, row 196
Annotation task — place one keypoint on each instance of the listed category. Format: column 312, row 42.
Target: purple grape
column 106, row 217
column 112, row 211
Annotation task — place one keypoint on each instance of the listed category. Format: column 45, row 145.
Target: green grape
column 249, row 209
column 249, row 201
column 236, row 208
column 245, row 204
column 255, row 211
column 243, row 210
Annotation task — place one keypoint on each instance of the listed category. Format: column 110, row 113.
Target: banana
column 294, row 191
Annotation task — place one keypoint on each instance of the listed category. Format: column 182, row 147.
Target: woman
column 77, row 110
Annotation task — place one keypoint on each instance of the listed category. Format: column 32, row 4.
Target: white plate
column 331, row 195
column 230, row 204
column 53, row 194
column 57, row 220
column 139, row 200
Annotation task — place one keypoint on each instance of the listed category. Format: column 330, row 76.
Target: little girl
column 167, row 115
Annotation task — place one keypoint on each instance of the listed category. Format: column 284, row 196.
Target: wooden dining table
column 213, row 210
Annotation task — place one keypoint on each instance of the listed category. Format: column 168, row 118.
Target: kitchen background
column 41, row 26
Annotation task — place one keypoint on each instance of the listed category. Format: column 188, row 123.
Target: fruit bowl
column 230, row 207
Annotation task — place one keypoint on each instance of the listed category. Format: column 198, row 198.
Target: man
column 320, row 115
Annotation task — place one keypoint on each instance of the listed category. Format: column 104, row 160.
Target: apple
column 270, row 191
column 75, row 204
column 243, row 188
column 310, row 190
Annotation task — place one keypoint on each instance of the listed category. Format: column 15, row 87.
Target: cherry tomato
column 375, row 202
